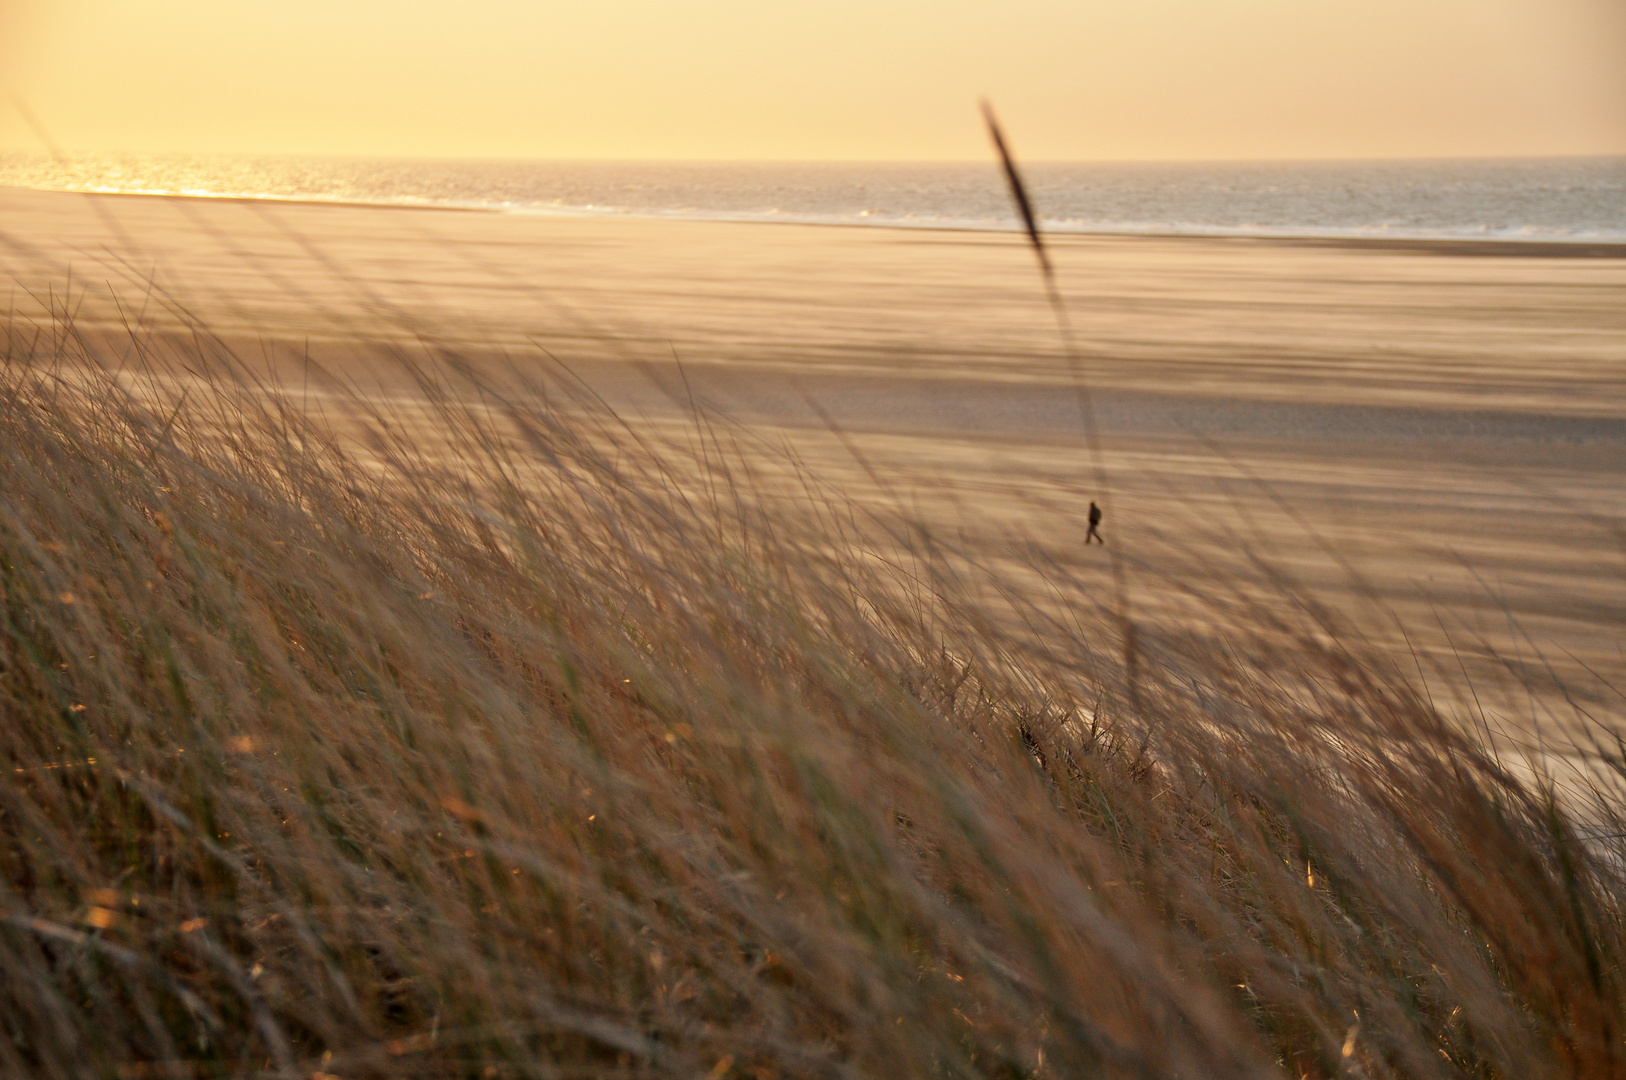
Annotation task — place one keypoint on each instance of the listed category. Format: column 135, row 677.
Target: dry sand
column 1432, row 436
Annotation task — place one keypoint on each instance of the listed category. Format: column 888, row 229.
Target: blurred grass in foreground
column 504, row 743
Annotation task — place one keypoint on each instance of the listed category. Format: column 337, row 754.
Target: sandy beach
column 1431, row 437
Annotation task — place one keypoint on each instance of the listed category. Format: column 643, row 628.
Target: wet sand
column 1432, row 437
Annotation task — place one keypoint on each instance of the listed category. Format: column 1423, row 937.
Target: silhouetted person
column 1095, row 520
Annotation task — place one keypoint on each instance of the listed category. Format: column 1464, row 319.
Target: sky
column 818, row 79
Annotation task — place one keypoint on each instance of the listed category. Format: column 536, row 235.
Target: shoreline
column 275, row 200
column 1487, row 247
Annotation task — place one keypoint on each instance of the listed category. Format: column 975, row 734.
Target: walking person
column 1095, row 520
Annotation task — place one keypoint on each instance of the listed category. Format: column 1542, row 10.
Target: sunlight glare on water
column 1580, row 199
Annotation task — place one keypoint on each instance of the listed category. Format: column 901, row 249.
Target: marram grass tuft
column 496, row 750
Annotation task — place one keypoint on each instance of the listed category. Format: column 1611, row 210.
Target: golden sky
column 812, row 79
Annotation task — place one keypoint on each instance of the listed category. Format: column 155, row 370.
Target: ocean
column 1579, row 200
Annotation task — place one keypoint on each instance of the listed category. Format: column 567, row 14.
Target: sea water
column 1573, row 199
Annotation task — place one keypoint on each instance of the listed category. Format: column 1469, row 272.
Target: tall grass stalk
column 1081, row 388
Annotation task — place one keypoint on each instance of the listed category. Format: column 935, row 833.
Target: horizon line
column 785, row 160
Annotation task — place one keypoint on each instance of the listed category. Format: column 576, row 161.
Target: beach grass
column 492, row 738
